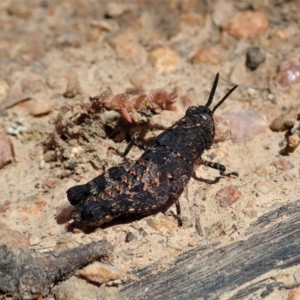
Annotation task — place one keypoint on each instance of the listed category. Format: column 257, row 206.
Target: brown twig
column 12, row 101
column 25, row 274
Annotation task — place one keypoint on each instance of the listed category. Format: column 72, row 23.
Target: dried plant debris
column 135, row 108
column 25, row 274
column 83, row 126
column 289, row 122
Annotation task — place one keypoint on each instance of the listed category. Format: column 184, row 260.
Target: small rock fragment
column 278, row 124
column 157, row 224
column 192, row 243
column 73, row 87
column 143, row 232
column 12, row 238
column 282, row 164
column 247, row 24
column 6, row 153
column 208, row 54
column 78, row 289
column 293, row 141
column 288, row 71
column 34, row 240
column 40, row 108
column 164, row 59
column 101, row 273
column 228, row 195
column 245, row 125
column 294, row 294
column 223, row 10
column 265, row 187
column 254, row 57
column 129, row 237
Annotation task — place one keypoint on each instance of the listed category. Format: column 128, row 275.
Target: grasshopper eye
column 191, row 109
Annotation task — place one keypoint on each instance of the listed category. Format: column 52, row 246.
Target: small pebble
column 40, row 108
column 192, row 243
column 12, row 238
column 282, row 123
column 78, row 289
column 157, row 224
column 247, row 24
column 293, row 141
column 265, row 187
column 223, row 10
column 254, row 57
column 73, row 87
column 228, row 195
column 288, row 71
column 75, row 150
column 294, row 294
column 208, row 54
column 143, row 232
column 164, row 59
column 251, row 91
column 101, row 273
column 129, row 237
column 34, row 240
column 282, row 164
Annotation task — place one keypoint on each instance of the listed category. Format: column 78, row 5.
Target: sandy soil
column 60, row 54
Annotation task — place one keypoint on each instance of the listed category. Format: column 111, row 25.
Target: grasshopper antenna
column 224, row 98
column 213, row 90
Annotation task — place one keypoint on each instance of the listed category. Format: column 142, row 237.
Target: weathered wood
column 272, row 242
column 26, row 274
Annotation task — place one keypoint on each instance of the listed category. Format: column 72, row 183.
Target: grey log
column 271, row 243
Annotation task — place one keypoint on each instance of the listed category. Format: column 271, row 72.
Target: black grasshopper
column 161, row 173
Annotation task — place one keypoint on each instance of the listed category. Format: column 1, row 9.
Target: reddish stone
column 247, row 24
column 288, row 71
column 228, row 195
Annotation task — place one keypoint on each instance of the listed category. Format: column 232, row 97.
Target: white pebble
column 75, row 150
column 34, row 240
column 265, row 187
